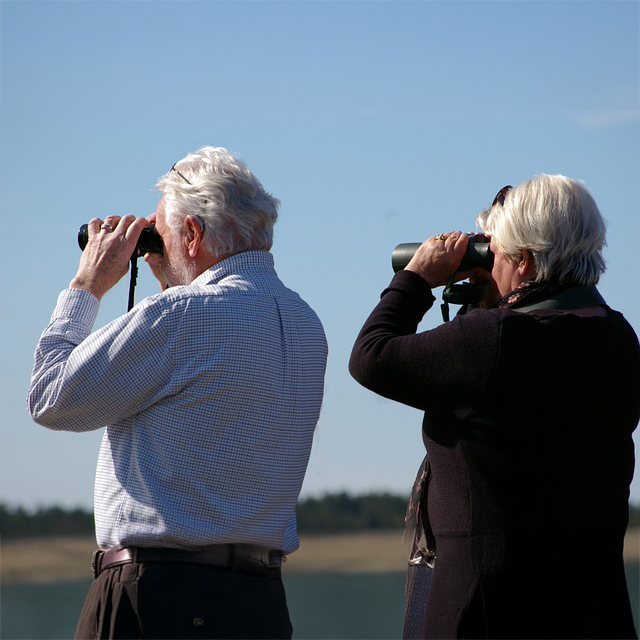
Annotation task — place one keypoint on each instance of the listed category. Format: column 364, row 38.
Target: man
column 210, row 393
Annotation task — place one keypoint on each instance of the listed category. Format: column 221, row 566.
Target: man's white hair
column 558, row 221
column 213, row 184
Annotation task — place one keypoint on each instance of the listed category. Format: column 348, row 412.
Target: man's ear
column 193, row 235
column 527, row 265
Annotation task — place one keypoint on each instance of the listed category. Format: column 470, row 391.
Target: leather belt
column 246, row 558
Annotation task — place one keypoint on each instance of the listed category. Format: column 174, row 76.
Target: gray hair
column 211, row 183
column 555, row 218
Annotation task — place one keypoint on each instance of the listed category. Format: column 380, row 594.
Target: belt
column 244, row 558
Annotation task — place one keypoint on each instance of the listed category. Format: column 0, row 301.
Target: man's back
column 215, row 392
column 246, row 359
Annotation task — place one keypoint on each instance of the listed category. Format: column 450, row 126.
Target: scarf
column 530, row 292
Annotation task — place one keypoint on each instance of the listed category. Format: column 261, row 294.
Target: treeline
column 332, row 513
column 341, row 512
column 50, row 521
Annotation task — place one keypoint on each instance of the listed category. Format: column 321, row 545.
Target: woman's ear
column 527, row 265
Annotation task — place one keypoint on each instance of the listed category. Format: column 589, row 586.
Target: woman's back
column 529, row 487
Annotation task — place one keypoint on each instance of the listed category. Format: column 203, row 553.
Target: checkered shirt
column 210, row 394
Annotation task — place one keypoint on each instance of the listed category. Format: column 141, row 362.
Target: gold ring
column 440, row 236
column 106, row 226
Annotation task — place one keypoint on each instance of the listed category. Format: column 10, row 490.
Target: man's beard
column 180, row 271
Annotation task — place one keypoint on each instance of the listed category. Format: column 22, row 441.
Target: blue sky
column 374, row 122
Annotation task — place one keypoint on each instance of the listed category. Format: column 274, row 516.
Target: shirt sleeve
column 445, row 369
column 82, row 381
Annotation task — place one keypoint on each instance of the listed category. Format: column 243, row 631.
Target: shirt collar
column 244, row 262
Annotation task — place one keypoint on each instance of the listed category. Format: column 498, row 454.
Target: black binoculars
column 478, row 254
column 150, row 240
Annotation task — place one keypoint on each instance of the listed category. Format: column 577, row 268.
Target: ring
column 440, row 236
column 106, row 226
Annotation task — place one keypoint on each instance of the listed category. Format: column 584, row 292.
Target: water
column 346, row 605
column 322, row 605
column 41, row 610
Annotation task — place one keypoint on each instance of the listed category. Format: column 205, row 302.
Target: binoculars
column 150, row 240
column 478, row 254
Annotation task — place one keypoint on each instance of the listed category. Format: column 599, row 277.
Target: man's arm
column 83, row 381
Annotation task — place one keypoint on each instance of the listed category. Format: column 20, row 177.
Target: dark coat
column 528, row 427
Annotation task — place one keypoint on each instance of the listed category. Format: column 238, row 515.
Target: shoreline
column 67, row 559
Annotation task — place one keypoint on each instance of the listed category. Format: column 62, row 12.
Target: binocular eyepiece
column 478, row 254
column 150, row 240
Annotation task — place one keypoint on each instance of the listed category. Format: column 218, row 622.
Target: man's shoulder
column 232, row 294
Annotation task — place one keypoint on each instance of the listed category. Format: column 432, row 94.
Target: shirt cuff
column 77, row 307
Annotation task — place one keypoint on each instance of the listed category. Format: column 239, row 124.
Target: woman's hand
column 437, row 258
column 483, row 277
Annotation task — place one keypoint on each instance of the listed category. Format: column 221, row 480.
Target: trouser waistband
column 246, row 558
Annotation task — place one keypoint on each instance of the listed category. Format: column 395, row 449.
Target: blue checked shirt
column 210, row 394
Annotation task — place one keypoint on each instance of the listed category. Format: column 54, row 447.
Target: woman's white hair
column 558, row 221
column 213, row 184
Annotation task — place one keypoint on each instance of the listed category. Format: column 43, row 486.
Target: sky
column 374, row 123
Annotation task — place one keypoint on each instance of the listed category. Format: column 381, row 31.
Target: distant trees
column 342, row 512
column 332, row 513
column 634, row 515
column 49, row 521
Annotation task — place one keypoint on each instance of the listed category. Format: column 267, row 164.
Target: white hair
column 211, row 183
column 558, row 221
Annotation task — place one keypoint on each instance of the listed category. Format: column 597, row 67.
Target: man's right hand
column 155, row 262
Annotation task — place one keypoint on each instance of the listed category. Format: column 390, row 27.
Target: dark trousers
column 171, row 600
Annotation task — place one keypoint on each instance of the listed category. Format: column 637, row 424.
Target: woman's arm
column 444, row 368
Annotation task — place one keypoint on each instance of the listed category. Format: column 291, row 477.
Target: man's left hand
column 106, row 257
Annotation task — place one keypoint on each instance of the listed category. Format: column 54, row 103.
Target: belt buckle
column 275, row 559
column 96, row 562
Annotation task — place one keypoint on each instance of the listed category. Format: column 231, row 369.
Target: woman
column 529, row 409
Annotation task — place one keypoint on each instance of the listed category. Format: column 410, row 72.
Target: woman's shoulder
column 514, row 323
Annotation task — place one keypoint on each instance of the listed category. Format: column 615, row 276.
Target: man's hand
column 106, row 257
column 155, row 260
column 156, row 264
